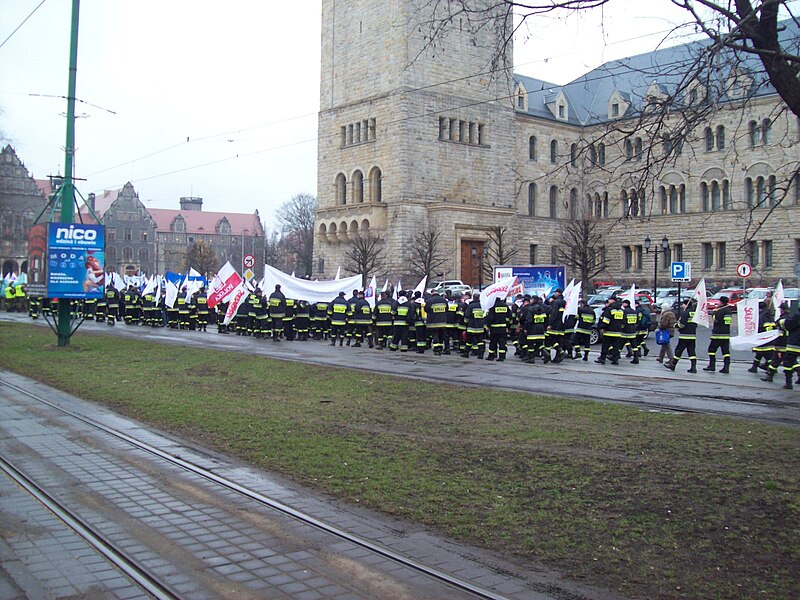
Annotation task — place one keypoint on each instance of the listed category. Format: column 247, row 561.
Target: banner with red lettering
column 238, row 296
column 223, row 284
column 501, row 289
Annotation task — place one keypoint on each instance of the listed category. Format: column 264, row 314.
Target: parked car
column 458, row 290
column 792, row 296
column 454, row 286
column 760, row 293
column 734, row 297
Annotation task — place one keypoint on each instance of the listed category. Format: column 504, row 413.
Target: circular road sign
column 249, row 261
column 744, row 270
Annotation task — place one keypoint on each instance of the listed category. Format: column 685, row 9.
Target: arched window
column 341, row 189
column 673, row 200
column 144, row 256
column 601, row 154
column 634, row 199
column 532, row 200
column 6, row 225
column 375, row 185
column 626, row 205
column 553, row 202
column 628, row 150
column 709, row 135
column 766, row 131
column 573, row 203
column 532, row 147
column 592, row 155
column 358, row 187
column 554, row 151
column 749, row 192
column 111, row 256
column 637, row 146
column 761, row 192
column 642, row 205
column 573, row 154
column 720, row 137
column 127, row 254
column 755, row 134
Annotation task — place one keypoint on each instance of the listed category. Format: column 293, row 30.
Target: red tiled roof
column 199, row 221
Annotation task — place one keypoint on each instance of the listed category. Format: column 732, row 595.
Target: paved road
column 648, row 385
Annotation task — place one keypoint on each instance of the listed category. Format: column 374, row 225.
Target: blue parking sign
column 681, row 271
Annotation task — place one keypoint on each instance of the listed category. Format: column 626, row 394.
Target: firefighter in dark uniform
column 642, row 330
column 497, row 321
column 362, row 321
column 554, row 337
column 720, row 337
column 100, row 309
column 337, row 312
column 687, row 340
column 403, row 318
column 766, row 322
column 89, row 307
column 132, row 305
column 436, row 309
column 451, row 335
column 302, row 320
column 34, row 306
column 612, row 322
column 628, row 336
column 289, row 330
column 148, row 307
column 791, row 354
column 277, row 310
column 183, row 310
column 536, row 329
column 112, row 304
column 520, row 335
column 476, row 330
column 200, row 302
column 383, row 318
column 583, row 329
column 319, row 320
column 349, row 332
column 779, row 343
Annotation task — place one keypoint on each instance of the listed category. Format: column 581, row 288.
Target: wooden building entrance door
column 472, row 262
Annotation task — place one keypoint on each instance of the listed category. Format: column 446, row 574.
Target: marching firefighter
column 612, row 321
column 583, row 330
column 362, row 320
column 337, row 312
column 277, row 311
column 497, row 321
column 403, row 318
column 687, row 340
column 720, row 337
column 476, row 334
column 766, row 322
column 436, row 324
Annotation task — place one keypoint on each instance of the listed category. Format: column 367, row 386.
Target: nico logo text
column 70, row 233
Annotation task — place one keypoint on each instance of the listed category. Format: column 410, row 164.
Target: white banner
column 630, row 296
column 741, row 342
column 369, row 293
column 303, row 289
column 571, row 297
column 500, row 289
column 172, row 294
column 701, row 316
column 747, row 315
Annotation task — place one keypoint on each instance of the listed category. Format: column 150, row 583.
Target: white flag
column 338, row 273
column 747, row 316
column 778, row 297
column 701, row 316
column 158, row 288
column 500, row 289
column 369, row 293
column 224, row 283
column 172, row 294
column 397, row 290
column 421, row 286
column 149, row 287
column 385, row 286
column 630, row 295
column 571, row 296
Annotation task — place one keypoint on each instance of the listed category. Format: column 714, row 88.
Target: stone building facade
column 413, row 137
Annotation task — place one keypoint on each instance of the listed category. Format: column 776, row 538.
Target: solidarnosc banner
column 75, row 257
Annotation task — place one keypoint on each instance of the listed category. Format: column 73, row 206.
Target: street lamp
column 656, row 250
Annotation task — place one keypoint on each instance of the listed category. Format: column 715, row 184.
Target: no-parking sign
column 744, row 270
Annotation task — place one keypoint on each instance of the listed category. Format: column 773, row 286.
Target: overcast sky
column 220, row 100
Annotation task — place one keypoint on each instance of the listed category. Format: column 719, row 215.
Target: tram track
column 151, row 583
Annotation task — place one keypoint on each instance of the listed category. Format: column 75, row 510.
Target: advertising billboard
column 75, row 258
column 541, row 280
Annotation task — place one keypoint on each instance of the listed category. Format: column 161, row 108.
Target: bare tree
column 201, row 258
column 499, row 251
column 365, row 255
column 296, row 218
column 582, row 248
column 425, row 256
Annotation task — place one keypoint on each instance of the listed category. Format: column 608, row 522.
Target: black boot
column 788, row 384
column 490, row 357
column 646, row 350
column 768, row 377
column 754, row 368
column 693, row 368
column 726, row 363
column 712, row 364
column 585, row 356
column 635, row 360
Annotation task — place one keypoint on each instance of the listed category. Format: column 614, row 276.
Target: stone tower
column 411, row 136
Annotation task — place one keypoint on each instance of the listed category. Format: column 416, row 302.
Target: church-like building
column 417, row 136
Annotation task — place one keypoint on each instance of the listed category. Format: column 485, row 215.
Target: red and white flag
column 501, row 289
column 235, row 299
column 223, row 285
column 701, row 316
column 778, row 297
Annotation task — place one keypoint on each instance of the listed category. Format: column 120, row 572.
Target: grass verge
column 651, row 505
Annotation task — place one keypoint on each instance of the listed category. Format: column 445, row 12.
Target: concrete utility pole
column 68, row 186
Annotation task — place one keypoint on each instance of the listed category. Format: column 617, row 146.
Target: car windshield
column 722, row 293
column 791, row 292
column 760, row 294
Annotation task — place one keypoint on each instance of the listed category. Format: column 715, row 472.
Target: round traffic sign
column 249, row 261
column 744, row 270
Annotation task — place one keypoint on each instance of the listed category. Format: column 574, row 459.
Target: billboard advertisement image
column 75, row 258
column 541, row 280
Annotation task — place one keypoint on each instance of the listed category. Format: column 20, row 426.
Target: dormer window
column 521, row 97
column 223, row 226
column 615, row 109
column 179, row 224
column 562, row 110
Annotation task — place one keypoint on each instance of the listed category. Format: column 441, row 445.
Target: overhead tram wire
column 676, row 63
column 10, row 35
